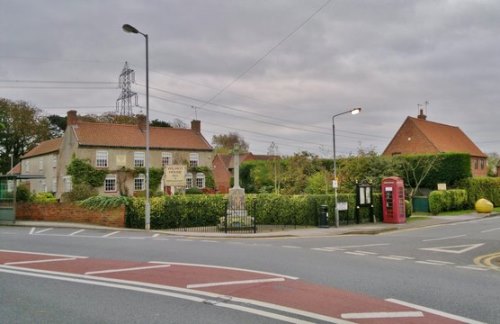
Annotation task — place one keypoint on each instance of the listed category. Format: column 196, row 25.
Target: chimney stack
column 421, row 115
column 71, row 119
column 141, row 122
column 196, row 126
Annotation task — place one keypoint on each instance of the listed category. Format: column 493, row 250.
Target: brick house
column 223, row 168
column 420, row 136
column 119, row 149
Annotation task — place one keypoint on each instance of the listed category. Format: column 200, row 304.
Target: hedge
column 481, row 187
column 446, row 200
column 268, row 209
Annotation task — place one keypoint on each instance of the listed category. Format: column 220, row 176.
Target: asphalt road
column 438, row 267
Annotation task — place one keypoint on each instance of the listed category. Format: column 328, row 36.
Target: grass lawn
column 451, row 213
column 416, row 218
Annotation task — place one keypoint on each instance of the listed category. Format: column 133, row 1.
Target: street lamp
column 130, row 29
column 353, row 111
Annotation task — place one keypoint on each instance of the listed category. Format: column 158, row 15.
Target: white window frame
column 54, row 161
column 194, row 159
column 101, row 159
column 110, row 183
column 139, row 158
column 189, row 180
column 40, row 164
column 200, row 180
column 140, row 179
column 166, row 158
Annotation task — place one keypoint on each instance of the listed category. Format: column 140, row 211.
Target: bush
column 44, row 198
column 104, row 202
column 23, row 193
column 446, row 200
column 481, row 187
column 408, row 209
column 79, row 192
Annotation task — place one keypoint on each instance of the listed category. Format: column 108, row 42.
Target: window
column 200, row 180
column 101, row 159
column 139, row 183
column 67, row 184
column 189, row 181
column 139, row 159
column 54, row 161
column 40, row 164
column 476, row 162
column 482, row 164
column 166, row 158
column 110, row 183
column 193, row 159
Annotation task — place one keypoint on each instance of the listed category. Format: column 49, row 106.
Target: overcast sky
column 270, row 70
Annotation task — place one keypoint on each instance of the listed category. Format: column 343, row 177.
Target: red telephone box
column 393, row 200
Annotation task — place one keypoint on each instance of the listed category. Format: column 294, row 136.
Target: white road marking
column 127, row 269
column 32, row 230
column 430, row 263
column 112, row 233
column 442, row 262
column 367, row 252
column 46, row 254
column 444, row 238
column 180, row 293
column 230, row 283
column 491, row 230
column 381, row 315
column 184, row 240
column 209, row 241
column 434, row 311
column 74, row 233
column 226, row 268
column 395, row 257
column 453, row 249
column 327, row 249
column 291, row 247
column 355, row 253
column 44, row 230
column 472, row 267
column 39, row 261
column 156, row 235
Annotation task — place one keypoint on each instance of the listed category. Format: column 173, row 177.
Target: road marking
column 39, row 261
column 487, row 261
column 444, row 238
column 453, row 249
column 491, row 230
column 327, row 249
column 156, row 235
column 74, row 233
column 355, row 253
column 180, row 293
column 434, row 311
column 381, row 315
column 473, row 267
column 32, row 230
column 438, row 261
column 396, row 257
column 46, row 254
column 127, row 269
column 226, row 268
column 367, row 252
column 209, row 241
column 184, row 240
column 112, row 233
column 429, row 263
column 291, row 247
column 42, row 231
column 230, row 283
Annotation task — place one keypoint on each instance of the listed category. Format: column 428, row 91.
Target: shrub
column 408, row 209
column 104, row 202
column 446, row 200
column 23, row 193
column 79, row 192
column 481, row 187
column 44, row 198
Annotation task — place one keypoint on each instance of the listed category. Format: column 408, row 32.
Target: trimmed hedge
column 481, row 187
column 268, row 209
column 446, row 200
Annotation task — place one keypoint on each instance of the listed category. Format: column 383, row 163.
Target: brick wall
column 65, row 212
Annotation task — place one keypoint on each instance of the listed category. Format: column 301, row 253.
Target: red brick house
column 223, row 167
column 420, row 136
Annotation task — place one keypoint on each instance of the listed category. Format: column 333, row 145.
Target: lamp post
column 353, row 111
column 130, row 29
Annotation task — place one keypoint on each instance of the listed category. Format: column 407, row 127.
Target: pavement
column 356, row 229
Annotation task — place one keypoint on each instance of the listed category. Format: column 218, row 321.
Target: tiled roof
column 447, row 138
column 121, row 135
column 44, row 147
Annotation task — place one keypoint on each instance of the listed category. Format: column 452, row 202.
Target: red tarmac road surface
column 259, row 287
